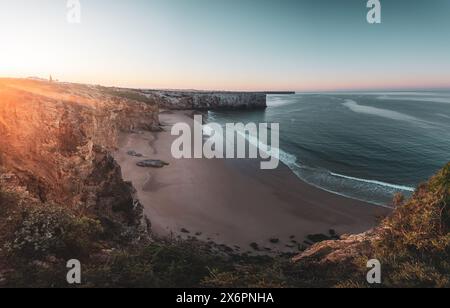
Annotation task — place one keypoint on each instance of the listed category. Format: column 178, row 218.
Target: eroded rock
column 201, row 100
column 152, row 163
column 135, row 154
column 56, row 141
column 340, row 251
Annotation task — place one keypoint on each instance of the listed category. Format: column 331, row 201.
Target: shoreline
column 233, row 202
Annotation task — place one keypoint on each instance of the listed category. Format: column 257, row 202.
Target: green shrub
column 250, row 273
column 123, row 270
column 8, row 200
column 163, row 264
column 49, row 230
column 414, row 250
column 128, row 94
column 415, row 244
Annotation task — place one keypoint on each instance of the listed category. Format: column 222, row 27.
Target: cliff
column 197, row 100
column 412, row 244
column 55, row 144
column 62, row 196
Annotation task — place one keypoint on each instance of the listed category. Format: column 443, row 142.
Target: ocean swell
column 371, row 191
column 385, row 113
column 431, row 99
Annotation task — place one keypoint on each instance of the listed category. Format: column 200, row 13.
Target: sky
column 302, row 45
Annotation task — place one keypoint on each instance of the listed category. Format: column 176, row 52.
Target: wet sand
column 233, row 202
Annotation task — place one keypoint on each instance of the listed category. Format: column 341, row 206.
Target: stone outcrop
column 151, row 163
column 412, row 244
column 56, row 139
column 182, row 100
column 340, row 251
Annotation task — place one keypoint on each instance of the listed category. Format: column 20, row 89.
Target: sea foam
column 385, row 113
column 416, row 98
column 291, row 161
column 393, row 186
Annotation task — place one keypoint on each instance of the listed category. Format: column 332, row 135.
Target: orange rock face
column 55, row 141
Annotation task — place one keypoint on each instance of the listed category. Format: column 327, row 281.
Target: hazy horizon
column 337, row 91
column 246, row 45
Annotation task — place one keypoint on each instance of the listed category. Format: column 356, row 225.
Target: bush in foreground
column 413, row 245
column 49, row 230
column 414, row 242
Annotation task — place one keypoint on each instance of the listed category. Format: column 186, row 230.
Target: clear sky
column 305, row 45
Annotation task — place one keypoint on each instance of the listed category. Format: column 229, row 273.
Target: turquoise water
column 366, row 146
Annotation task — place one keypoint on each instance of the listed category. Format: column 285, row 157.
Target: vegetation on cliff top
column 413, row 245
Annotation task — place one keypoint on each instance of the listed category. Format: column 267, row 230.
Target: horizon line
column 344, row 90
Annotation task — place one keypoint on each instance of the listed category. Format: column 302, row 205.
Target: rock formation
column 177, row 100
column 56, row 141
column 340, row 251
column 412, row 244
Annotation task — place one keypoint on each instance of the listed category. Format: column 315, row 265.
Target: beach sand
column 233, row 202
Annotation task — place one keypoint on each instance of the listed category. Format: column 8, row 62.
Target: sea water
column 367, row 146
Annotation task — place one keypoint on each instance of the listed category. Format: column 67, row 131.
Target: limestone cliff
column 198, row 100
column 56, row 139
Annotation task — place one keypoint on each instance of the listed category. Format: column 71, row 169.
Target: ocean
column 366, row 146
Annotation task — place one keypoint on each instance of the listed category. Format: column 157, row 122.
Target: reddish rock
column 56, row 139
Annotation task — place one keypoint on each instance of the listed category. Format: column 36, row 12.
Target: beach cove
column 233, row 203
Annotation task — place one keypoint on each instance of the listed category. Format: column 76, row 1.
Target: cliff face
column 208, row 100
column 56, row 139
column 412, row 244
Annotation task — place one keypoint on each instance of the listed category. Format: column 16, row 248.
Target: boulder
column 133, row 153
column 152, row 163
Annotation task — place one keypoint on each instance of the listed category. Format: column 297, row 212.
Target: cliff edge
column 412, row 244
column 56, row 141
column 202, row 100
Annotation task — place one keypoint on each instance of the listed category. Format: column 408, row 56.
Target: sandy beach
column 233, row 202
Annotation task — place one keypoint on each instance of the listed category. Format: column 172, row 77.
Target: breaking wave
column 385, row 113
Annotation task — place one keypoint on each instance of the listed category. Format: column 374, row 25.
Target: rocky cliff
column 56, row 139
column 412, row 244
column 177, row 100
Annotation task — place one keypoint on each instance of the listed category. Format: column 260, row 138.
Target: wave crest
column 385, row 113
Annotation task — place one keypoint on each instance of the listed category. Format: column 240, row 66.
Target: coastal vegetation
column 63, row 196
column 412, row 244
